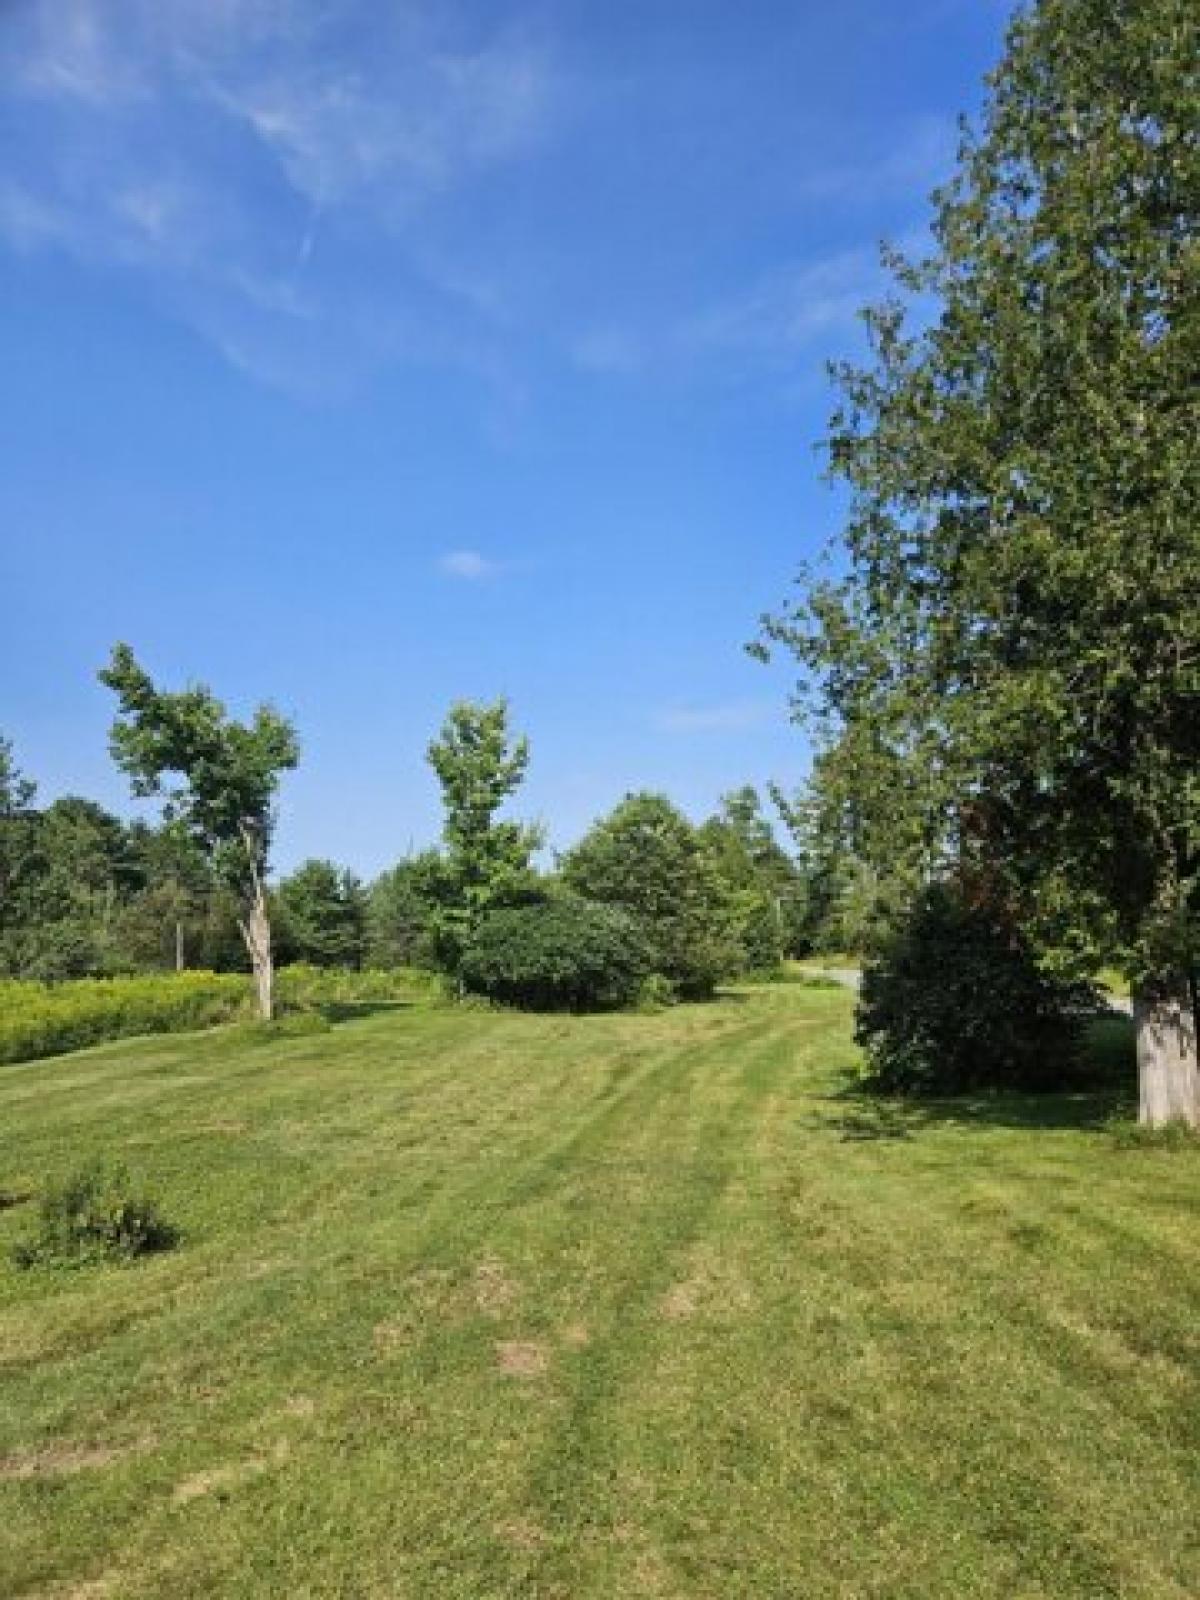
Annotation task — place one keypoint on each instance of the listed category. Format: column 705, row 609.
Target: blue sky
column 363, row 356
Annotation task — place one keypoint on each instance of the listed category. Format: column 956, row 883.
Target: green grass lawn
column 476, row 1305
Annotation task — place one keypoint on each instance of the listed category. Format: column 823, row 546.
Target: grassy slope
column 478, row 1305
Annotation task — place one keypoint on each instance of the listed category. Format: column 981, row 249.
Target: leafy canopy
column 219, row 776
column 1011, row 666
column 479, row 767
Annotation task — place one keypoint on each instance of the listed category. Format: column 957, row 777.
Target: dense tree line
column 87, row 893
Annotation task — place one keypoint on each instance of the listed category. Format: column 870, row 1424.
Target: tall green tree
column 760, row 877
column 321, row 911
column 1011, row 666
column 218, row 777
column 404, row 905
column 647, row 859
column 480, row 766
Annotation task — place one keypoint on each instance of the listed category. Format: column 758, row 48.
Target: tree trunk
column 256, row 931
column 1168, row 1070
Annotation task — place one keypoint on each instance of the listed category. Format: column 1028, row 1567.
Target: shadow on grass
column 1100, row 1086
column 352, row 1010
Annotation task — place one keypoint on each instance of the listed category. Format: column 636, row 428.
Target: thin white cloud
column 794, row 306
column 732, row 717
column 227, row 150
column 468, row 565
column 920, row 155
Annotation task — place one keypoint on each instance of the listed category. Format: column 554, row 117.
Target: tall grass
column 42, row 1019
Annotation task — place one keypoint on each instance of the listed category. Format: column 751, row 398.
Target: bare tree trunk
column 256, row 930
column 1168, row 1068
column 179, row 961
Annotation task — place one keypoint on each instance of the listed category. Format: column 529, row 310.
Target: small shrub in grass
column 564, row 955
column 954, row 1000
column 656, row 993
column 94, row 1214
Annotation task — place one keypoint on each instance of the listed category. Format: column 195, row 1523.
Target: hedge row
column 41, row 1019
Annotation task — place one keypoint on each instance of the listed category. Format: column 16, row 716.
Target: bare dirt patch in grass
column 521, row 1534
column 63, row 1460
column 495, row 1292
column 714, row 1287
column 518, row 1358
column 76, row 1589
column 214, row 1480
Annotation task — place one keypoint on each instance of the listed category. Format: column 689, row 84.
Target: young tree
column 768, row 889
column 487, row 862
column 1012, row 665
column 648, row 859
column 320, row 911
column 226, row 775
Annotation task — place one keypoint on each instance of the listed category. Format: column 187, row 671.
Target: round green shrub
column 954, row 1000
column 562, row 955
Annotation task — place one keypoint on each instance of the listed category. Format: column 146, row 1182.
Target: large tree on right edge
column 1011, row 664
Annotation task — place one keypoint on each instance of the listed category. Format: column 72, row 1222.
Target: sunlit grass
column 474, row 1305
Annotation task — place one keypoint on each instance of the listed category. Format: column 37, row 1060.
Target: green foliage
column 655, row 993
column 320, row 914
column 648, row 860
column 219, row 777
column 565, row 954
column 487, row 863
column 38, row 1019
column 302, row 987
column 763, row 888
column 404, row 906
column 954, row 1000
column 94, row 1214
column 1011, row 667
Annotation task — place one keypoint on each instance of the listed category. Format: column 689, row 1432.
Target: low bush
column 954, row 1000
column 95, row 1214
column 656, row 993
column 564, row 955
column 305, row 988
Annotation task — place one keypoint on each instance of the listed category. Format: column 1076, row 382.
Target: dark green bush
column 94, row 1214
column 564, row 955
column 647, row 860
column 955, row 1000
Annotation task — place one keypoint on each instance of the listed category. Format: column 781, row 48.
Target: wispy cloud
column 920, row 155
column 237, row 154
column 795, row 305
column 468, row 565
column 734, row 716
